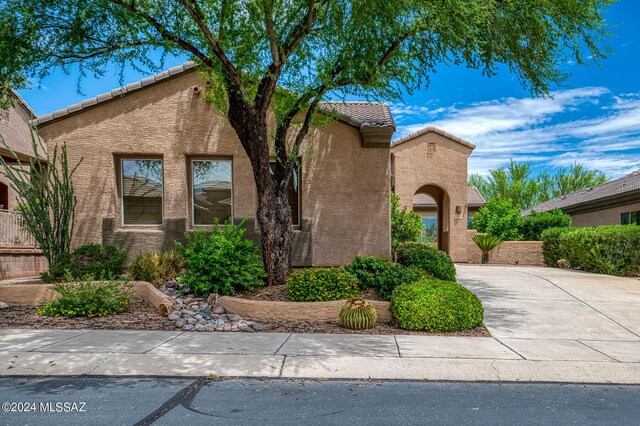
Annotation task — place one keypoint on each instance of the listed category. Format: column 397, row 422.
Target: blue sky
column 594, row 119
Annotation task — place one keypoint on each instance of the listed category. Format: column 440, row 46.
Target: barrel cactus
column 358, row 314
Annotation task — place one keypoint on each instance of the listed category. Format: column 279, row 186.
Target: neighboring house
column 433, row 163
column 426, row 206
column 159, row 161
column 15, row 130
column 612, row 203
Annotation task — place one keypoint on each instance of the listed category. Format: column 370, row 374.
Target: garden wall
column 21, row 263
column 507, row 253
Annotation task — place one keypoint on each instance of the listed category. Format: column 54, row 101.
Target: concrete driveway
column 547, row 310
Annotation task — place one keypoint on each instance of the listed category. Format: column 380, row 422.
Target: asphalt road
column 129, row 401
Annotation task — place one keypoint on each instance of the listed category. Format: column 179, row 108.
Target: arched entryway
column 432, row 203
column 4, row 196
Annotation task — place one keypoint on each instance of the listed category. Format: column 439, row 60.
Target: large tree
column 516, row 184
column 285, row 56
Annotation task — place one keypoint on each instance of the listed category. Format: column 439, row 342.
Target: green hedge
column 367, row 269
column 91, row 260
column 613, row 250
column 428, row 258
column 533, row 225
column 436, row 306
column 322, row 284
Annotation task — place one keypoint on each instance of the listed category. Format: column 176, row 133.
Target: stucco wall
column 345, row 191
column 21, row 263
column 609, row 216
column 15, row 129
column 446, row 169
column 507, row 253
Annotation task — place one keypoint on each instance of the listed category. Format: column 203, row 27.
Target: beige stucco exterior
column 439, row 170
column 607, row 216
column 344, row 189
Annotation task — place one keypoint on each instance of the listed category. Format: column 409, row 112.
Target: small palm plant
column 486, row 243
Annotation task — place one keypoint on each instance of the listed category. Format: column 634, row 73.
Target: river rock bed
column 200, row 314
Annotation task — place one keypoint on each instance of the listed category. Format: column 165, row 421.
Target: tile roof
column 435, row 130
column 474, row 199
column 371, row 114
column 626, row 184
column 360, row 114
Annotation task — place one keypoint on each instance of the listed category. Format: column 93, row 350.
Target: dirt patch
column 333, row 327
column 140, row 316
column 278, row 293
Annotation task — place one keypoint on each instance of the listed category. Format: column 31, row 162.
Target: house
column 16, row 131
column 159, row 160
column 612, row 203
column 432, row 163
column 426, row 206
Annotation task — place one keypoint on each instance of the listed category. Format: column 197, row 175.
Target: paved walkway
column 547, row 325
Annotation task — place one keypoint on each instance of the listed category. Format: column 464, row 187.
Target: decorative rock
column 187, row 312
column 219, row 310
column 181, row 322
column 191, row 320
column 174, row 316
column 200, row 327
column 257, row 327
column 234, row 317
column 170, row 284
column 188, row 300
column 188, row 327
column 3, row 305
column 214, row 316
column 209, row 327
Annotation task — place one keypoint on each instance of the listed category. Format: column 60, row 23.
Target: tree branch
column 268, row 21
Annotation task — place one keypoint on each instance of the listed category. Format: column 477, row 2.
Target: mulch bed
column 140, row 316
column 381, row 328
column 278, row 293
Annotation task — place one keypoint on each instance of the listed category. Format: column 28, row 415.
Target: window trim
column 137, row 225
column 192, row 195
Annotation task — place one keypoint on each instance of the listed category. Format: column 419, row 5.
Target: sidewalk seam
column 284, row 359
column 283, row 343
column 510, row 348
column 60, row 341
column 167, row 341
column 395, row 338
column 599, row 351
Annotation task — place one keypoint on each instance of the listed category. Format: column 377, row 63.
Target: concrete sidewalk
column 291, row 355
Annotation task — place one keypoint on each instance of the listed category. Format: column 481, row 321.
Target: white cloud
column 589, row 125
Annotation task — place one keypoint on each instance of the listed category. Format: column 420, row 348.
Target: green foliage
column 499, row 218
column 514, row 183
column 609, row 250
column 436, row 306
column 45, row 193
column 367, row 269
column 222, row 261
column 89, row 299
column 322, row 284
column 406, row 225
column 533, row 225
column 486, row 242
column 398, row 275
column 156, row 268
column 357, row 314
column 434, row 262
column 90, row 260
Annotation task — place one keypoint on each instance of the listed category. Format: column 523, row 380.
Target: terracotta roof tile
column 371, row 114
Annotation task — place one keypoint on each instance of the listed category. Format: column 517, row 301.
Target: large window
column 142, row 192
column 630, row 218
column 212, row 196
column 293, row 188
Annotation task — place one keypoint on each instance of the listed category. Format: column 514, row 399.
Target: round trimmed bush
column 368, row 270
column 436, row 306
column 434, row 262
column 322, row 284
column 398, row 275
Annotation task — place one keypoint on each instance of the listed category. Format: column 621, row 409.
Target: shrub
column 89, row 299
column 551, row 247
column 93, row 260
column 156, row 268
column 609, row 250
column 367, row 269
column 499, row 218
column 398, row 275
column 533, row 225
column 428, row 258
column 222, row 261
column 486, row 243
column 436, row 306
column 406, row 225
column 322, row 284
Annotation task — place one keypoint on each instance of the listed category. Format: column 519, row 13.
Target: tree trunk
column 273, row 214
column 485, row 257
